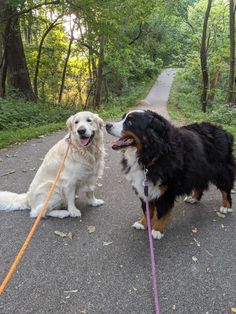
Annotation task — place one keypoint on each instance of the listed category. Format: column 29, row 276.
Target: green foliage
column 17, row 114
column 21, row 121
column 184, row 103
column 10, row 137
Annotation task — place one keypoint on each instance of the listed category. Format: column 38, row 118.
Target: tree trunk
column 35, row 83
column 3, row 67
column 213, row 85
column 65, row 65
column 3, row 64
column 97, row 96
column 231, row 84
column 17, row 71
column 203, row 58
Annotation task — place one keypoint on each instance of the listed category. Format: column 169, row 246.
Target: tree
column 66, row 62
column 13, row 60
column 203, row 58
column 50, row 27
column 231, row 84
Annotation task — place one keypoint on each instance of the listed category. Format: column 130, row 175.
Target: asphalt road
column 108, row 271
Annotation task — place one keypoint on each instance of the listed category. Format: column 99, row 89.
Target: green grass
column 21, row 121
column 184, row 106
column 10, row 137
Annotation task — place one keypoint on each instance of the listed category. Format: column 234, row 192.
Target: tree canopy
column 84, row 52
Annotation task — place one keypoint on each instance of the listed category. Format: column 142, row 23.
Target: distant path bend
column 157, row 97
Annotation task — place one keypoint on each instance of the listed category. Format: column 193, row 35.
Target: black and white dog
column 179, row 161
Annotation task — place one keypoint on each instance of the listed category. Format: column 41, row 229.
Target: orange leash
column 32, row 231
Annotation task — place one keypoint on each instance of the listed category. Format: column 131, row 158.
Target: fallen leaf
column 174, row 307
column 70, row 235
column 91, row 229
column 60, row 233
column 7, row 173
column 222, row 226
column 194, row 259
column 194, row 230
column 82, row 312
column 71, row 291
column 64, row 235
column 99, row 184
column 209, row 253
column 107, row 243
column 220, row 215
column 233, row 309
column 198, row 244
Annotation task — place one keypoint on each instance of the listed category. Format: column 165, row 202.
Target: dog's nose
column 108, row 126
column 81, row 130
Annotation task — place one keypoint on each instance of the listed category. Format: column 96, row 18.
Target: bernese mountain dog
column 179, row 160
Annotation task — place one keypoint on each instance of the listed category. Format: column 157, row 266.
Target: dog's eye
column 77, row 121
column 89, row 120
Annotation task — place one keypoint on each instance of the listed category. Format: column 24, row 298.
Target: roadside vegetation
column 58, row 57
column 184, row 104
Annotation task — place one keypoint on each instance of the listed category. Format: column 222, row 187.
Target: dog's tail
column 13, row 201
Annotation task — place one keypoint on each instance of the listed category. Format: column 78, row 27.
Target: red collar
column 150, row 164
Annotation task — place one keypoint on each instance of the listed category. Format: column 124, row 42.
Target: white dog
column 83, row 165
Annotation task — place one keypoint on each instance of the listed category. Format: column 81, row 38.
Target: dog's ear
column 99, row 121
column 69, row 123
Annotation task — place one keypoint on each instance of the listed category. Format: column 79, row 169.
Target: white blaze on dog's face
column 116, row 128
column 122, row 129
column 84, row 126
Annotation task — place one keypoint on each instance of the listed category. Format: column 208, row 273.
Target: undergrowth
column 21, row 120
column 184, row 105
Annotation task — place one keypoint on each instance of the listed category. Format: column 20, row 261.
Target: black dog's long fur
column 184, row 159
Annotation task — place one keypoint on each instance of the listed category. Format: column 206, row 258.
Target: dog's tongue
column 84, row 141
column 124, row 141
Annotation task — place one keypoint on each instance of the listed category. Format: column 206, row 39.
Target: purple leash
column 154, row 276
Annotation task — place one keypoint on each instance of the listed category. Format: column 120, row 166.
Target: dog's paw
column 157, row 235
column 225, row 210
column 74, row 212
column 190, row 199
column 97, row 202
column 137, row 225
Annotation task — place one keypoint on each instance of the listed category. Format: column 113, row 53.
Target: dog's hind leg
column 92, row 200
column 195, row 197
column 226, row 202
column 224, row 182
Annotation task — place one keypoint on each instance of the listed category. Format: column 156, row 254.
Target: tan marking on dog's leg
column 160, row 224
column 195, row 194
column 225, row 202
column 225, row 208
column 142, row 223
column 163, row 189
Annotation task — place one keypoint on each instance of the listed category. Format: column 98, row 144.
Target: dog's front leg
column 92, row 200
column 69, row 192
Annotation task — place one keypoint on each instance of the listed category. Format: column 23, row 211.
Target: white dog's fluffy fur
column 83, row 165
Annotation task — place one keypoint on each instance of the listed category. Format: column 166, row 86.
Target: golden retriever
column 83, row 165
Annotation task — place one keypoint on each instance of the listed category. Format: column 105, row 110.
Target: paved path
column 63, row 276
